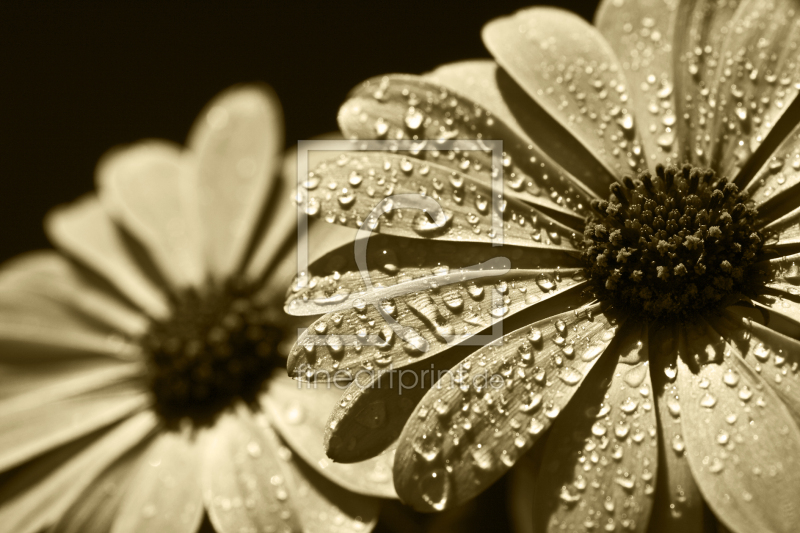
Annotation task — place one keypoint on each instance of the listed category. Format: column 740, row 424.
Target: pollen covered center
column 216, row 348
column 671, row 245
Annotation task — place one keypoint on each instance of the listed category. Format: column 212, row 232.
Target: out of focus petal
column 241, row 466
column 147, row 188
column 50, row 275
column 41, row 419
column 42, row 491
column 742, row 444
column 280, row 224
column 600, row 461
column 300, row 412
column 95, row 509
column 566, row 66
column 164, row 493
column 248, row 463
column 84, row 231
column 34, row 329
column 641, row 34
column 322, row 505
column 480, row 443
column 236, row 142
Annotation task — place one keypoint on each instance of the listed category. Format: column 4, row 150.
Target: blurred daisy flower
column 649, row 216
column 137, row 364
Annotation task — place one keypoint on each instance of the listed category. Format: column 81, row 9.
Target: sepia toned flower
column 137, row 362
column 647, row 285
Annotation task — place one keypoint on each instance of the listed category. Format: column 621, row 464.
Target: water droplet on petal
column 535, row 427
column 545, row 282
column 434, row 487
column 570, row 376
column 761, row 352
column 730, row 378
column 413, row 119
column 708, row 401
column 427, row 447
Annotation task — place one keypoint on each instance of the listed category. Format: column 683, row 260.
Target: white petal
column 39, row 493
column 742, row 443
column 41, row 419
column 147, row 188
column 236, row 144
column 83, row 230
column 566, row 66
column 164, row 494
column 600, row 460
column 300, row 413
column 641, row 34
column 480, row 418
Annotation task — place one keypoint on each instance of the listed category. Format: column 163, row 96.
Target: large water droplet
column 761, row 352
column 434, row 487
column 545, row 282
column 569, row 375
column 531, row 403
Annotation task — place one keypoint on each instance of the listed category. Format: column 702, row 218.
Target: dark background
column 76, row 80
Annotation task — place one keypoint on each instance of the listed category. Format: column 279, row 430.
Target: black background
column 76, row 80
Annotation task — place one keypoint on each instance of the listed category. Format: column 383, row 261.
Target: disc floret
column 671, row 245
column 217, row 347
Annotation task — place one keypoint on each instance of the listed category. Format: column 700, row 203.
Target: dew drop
column 434, row 487
column 346, row 198
column 708, row 401
column 535, row 426
column 545, row 282
column 629, row 405
column 535, row 336
column 570, row 376
column 745, row 393
column 730, row 378
column 761, row 352
column 427, row 447
column 453, row 300
column 475, row 291
column 413, row 119
column 532, row 403
column 355, row 179
column 406, row 165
